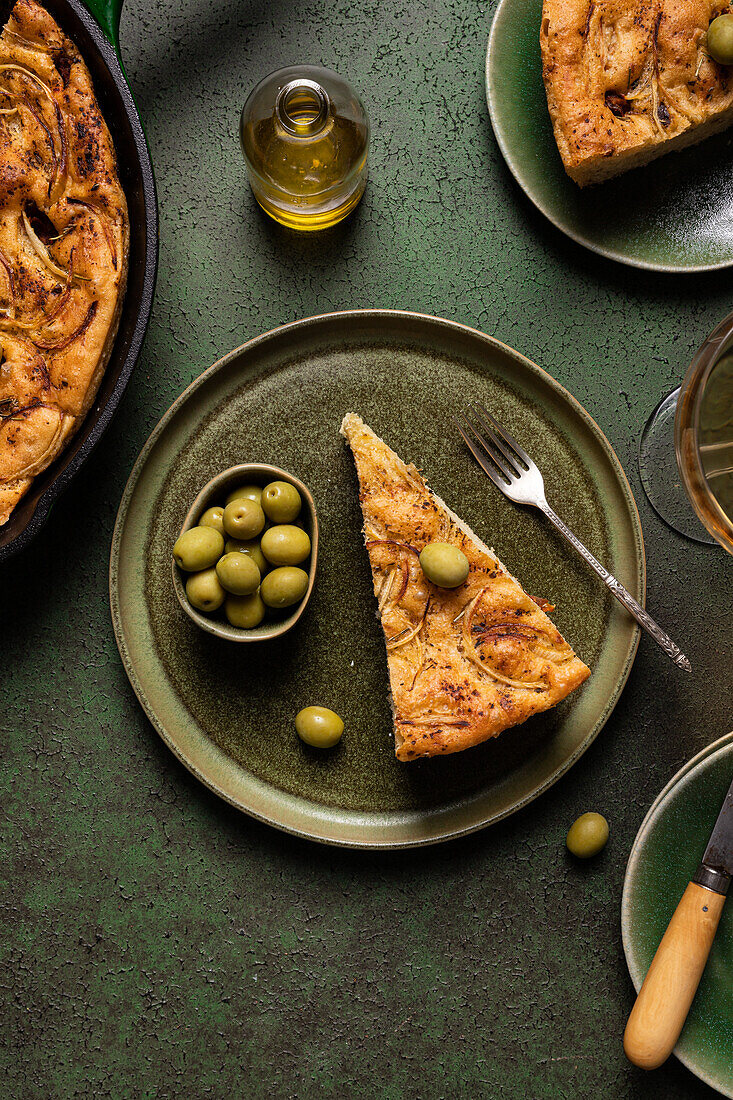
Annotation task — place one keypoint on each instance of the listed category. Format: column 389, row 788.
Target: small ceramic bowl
column 214, row 492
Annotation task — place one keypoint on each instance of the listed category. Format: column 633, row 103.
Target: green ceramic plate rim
column 586, row 242
column 636, row 971
column 375, row 315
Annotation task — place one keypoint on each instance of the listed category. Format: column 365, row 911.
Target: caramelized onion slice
column 392, row 542
column 59, row 161
column 5, row 264
column 42, row 252
column 435, row 720
column 24, row 42
column 406, row 635
column 104, row 221
column 532, row 634
column 15, row 67
column 40, row 249
column 473, row 655
column 59, row 345
column 403, row 565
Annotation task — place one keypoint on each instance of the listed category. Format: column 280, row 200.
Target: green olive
column 238, row 573
column 444, row 564
column 285, row 544
column 587, row 835
column 281, row 502
column 319, row 726
column 198, row 548
column 213, row 517
column 204, row 590
column 246, row 492
column 720, row 39
column 251, row 547
column 243, row 519
column 245, row 611
column 284, row 587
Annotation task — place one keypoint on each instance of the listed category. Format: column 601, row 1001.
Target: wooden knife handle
column 664, row 999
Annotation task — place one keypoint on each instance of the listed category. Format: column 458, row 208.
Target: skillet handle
column 107, row 13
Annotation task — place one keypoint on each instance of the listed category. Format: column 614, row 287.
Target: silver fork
column 513, row 471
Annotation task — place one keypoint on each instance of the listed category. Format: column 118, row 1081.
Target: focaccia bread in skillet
column 64, row 241
column 628, row 80
column 464, row 663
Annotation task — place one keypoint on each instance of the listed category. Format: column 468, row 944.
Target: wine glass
column 686, row 448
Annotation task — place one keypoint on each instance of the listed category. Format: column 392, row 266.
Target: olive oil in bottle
column 305, row 139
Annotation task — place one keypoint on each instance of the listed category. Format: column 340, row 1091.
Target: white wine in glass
column 686, row 448
column 704, row 441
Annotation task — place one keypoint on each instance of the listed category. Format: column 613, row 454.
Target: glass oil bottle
column 305, row 139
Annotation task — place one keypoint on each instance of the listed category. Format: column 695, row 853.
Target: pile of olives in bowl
column 247, row 553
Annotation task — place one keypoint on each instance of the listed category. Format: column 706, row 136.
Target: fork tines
column 494, row 448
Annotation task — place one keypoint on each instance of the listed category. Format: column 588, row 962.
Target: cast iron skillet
column 97, row 38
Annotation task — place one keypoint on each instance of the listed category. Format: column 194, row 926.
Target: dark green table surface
column 156, row 943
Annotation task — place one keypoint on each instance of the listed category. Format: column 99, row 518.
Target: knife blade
column 717, row 863
column 669, row 987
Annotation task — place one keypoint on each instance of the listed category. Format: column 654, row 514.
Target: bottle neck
column 302, row 107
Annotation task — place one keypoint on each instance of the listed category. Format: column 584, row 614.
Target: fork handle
column 642, row 617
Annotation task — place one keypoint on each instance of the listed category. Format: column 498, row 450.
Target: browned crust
column 443, row 700
column 627, row 82
column 64, row 244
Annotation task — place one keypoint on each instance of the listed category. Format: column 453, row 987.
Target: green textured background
column 155, row 942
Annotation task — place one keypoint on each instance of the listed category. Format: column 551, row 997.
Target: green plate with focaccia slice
column 227, row 711
column 675, row 214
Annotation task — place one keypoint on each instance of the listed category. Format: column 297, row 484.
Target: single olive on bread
column 720, row 39
column 444, row 564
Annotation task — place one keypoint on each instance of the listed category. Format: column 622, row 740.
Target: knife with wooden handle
column 671, row 982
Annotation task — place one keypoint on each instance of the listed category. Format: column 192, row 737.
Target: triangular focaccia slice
column 628, row 80
column 464, row 663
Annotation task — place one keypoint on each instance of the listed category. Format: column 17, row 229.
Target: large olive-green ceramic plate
column 228, row 715
column 675, row 214
column 665, row 855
